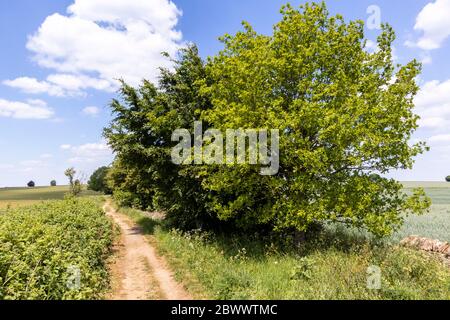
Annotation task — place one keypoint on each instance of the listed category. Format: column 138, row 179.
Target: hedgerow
column 43, row 249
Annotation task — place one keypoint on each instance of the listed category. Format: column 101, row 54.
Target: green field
column 15, row 197
column 436, row 224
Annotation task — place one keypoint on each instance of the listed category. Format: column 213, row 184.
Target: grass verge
column 332, row 266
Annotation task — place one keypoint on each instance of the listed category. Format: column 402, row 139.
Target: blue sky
column 59, row 60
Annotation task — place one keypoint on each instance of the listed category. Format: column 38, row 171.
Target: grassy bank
column 333, row 266
column 54, row 250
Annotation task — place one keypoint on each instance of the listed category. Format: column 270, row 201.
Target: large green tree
column 345, row 116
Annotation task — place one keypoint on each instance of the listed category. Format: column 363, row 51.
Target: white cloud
column 440, row 138
column 65, row 146
column 372, row 46
column 46, row 156
column 31, row 109
column 434, row 23
column 59, row 85
column 89, row 153
column 100, row 41
column 31, row 163
column 33, row 86
column 432, row 122
column 91, row 111
column 433, row 105
column 4, row 166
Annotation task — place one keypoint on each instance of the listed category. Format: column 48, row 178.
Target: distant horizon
column 66, row 185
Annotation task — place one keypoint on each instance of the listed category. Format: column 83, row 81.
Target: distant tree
column 447, row 178
column 31, row 184
column 97, row 181
column 53, row 183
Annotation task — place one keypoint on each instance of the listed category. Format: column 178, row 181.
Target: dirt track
column 138, row 273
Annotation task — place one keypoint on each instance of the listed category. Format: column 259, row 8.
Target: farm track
column 138, row 273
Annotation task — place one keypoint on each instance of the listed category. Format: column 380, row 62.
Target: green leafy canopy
column 345, row 117
column 345, row 114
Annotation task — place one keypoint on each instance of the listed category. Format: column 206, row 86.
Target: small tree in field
column 447, row 178
column 53, row 183
column 75, row 185
column 31, row 184
column 70, row 173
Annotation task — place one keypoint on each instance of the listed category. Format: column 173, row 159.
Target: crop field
column 16, row 197
column 50, row 249
column 436, row 223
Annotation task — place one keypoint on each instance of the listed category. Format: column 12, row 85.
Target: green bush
column 42, row 248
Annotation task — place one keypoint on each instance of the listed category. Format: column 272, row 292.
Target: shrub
column 31, row 184
column 447, row 178
column 53, row 183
